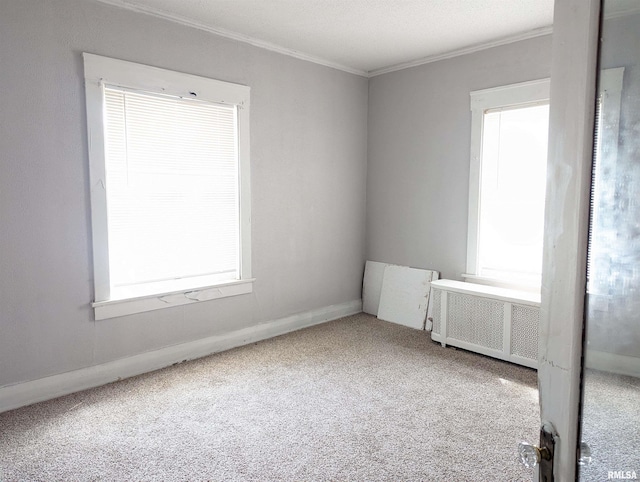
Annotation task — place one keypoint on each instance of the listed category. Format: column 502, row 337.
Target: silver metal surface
column 610, row 424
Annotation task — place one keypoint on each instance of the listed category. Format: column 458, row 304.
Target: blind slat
column 172, row 187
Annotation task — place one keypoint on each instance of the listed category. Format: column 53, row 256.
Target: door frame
column 571, row 123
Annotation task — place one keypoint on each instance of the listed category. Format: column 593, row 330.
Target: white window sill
column 502, row 283
column 129, row 305
column 485, row 291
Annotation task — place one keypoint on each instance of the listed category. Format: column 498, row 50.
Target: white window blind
column 172, row 189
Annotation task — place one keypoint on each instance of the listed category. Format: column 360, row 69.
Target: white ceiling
column 363, row 36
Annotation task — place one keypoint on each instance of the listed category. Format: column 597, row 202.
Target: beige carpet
column 353, row 399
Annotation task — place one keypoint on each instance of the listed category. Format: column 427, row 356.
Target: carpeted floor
column 353, row 399
column 610, row 424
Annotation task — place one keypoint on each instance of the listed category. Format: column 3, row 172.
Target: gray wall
column 308, row 130
column 419, row 141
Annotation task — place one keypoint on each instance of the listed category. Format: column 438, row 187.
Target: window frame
column 98, row 71
column 506, row 96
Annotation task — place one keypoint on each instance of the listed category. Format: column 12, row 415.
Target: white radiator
column 496, row 322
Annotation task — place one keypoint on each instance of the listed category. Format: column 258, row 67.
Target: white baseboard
column 21, row 394
column 612, row 363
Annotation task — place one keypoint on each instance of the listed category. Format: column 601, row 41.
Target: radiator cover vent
column 436, row 313
column 492, row 321
column 476, row 320
column 524, row 328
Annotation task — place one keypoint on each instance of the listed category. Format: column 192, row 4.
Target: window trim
column 98, row 71
column 506, row 96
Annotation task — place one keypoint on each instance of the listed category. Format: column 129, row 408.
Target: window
column 169, row 165
column 507, row 184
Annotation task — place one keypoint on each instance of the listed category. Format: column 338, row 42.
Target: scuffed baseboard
column 612, row 363
column 22, row 394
